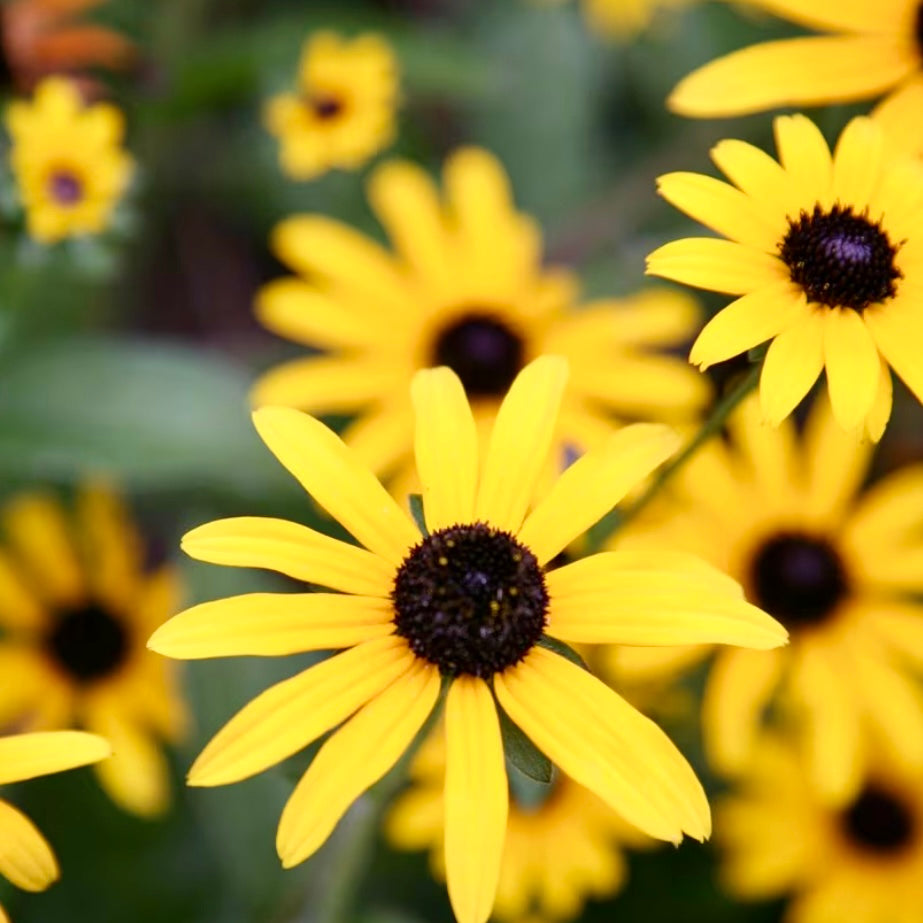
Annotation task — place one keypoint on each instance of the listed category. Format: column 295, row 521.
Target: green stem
column 617, row 519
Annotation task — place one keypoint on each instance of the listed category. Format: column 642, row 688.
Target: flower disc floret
column 471, row 600
column 485, row 353
column 88, row 643
column 879, row 821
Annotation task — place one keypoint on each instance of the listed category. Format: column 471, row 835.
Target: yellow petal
column 520, row 443
column 594, row 600
column 716, row 265
column 353, row 759
column 898, row 116
column 883, row 17
column 593, row 485
column 888, row 513
column 898, row 332
column 26, row 858
column 792, row 365
column 748, row 322
column 852, row 366
column 273, row 624
column 793, row 72
column 446, row 447
column 327, row 469
column 740, row 685
column 289, row 715
column 804, row 154
column 603, row 743
column 857, row 161
column 293, row 550
column 760, row 177
column 476, row 799
column 19, row 609
column 25, row 756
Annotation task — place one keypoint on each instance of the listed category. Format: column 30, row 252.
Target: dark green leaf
column 565, row 650
column 416, row 510
column 522, row 753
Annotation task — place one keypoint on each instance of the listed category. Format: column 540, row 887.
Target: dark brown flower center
column 325, row 106
column 88, row 643
column 797, row 578
column 918, row 29
column 65, row 188
column 878, row 821
column 840, row 259
column 483, row 351
column 470, row 599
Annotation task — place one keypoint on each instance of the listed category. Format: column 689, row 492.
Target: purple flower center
column 65, row 188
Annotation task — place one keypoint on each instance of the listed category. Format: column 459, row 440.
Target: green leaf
column 565, row 650
column 522, row 753
column 416, row 510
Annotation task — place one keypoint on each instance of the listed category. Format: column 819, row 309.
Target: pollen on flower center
column 877, row 821
column 839, row 258
column 88, row 642
column 470, row 599
column 483, row 351
column 797, row 578
column 65, row 188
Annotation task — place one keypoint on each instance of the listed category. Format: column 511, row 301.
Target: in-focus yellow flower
column 465, row 288
column 622, row 19
column 563, row 845
column 343, row 110
column 469, row 603
column 861, row 862
column 26, row 858
column 842, row 570
column 76, row 608
column 827, row 253
column 876, row 46
column 68, row 161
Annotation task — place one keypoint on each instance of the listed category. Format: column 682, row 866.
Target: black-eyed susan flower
column 68, row 161
column 76, row 609
column 463, row 287
column 840, row 568
column 622, row 19
column 870, row 48
column 343, row 109
column 469, row 603
column 563, row 845
column 827, row 254
column 861, row 861
column 26, row 858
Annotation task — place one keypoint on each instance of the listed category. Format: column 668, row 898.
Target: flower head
column 463, row 287
column 838, row 566
column 469, row 603
column 623, row 19
column 343, row 109
column 827, row 254
column 68, row 161
column 26, row 858
column 861, row 860
column 77, row 607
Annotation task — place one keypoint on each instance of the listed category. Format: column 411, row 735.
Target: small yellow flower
column 463, row 286
column 622, row 19
column 827, row 252
column 76, row 608
column 840, row 568
column 343, row 110
column 563, row 845
column 67, row 158
column 861, row 862
column 26, row 858
column 467, row 604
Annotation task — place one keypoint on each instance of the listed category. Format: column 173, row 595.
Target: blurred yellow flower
column 861, row 862
column 563, row 845
column 67, row 158
column 26, row 858
column 827, row 254
column 842, row 570
column 464, row 287
column 76, row 609
column 468, row 603
column 872, row 47
column 343, row 110
column 622, row 19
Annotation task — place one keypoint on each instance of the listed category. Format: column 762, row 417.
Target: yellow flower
column 622, row 19
column 343, row 111
column 26, row 858
column 827, row 253
column 861, row 862
column 76, row 609
column 68, row 161
column 465, row 288
column 562, row 847
column 842, row 570
column 876, row 46
column 469, row 603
